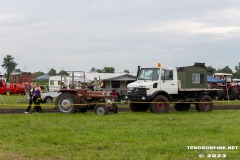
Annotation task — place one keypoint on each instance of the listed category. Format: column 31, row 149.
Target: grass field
column 125, row 135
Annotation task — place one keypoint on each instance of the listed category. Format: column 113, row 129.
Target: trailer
column 155, row 88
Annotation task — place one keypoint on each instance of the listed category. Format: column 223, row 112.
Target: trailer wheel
column 205, row 104
column 115, row 108
column 65, row 102
column 101, row 110
column 138, row 107
column 182, row 106
column 158, row 105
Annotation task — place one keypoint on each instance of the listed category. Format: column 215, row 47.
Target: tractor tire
column 66, row 103
column 101, row 110
column 138, row 107
column 205, row 105
column 238, row 96
column 48, row 99
column 233, row 93
column 221, row 95
column 182, row 106
column 158, row 105
column 9, row 92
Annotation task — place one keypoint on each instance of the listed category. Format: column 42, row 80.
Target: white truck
column 155, row 88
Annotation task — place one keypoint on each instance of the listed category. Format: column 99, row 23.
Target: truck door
column 169, row 81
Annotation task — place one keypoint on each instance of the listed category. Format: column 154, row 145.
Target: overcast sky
column 81, row 34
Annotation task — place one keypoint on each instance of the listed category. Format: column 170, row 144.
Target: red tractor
column 13, row 88
column 73, row 99
column 237, row 84
column 229, row 90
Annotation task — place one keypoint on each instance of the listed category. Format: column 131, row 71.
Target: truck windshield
column 149, row 74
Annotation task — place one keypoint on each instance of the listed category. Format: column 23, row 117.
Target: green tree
column 93, row 70
column 237, row 73
column 99, row 71
column 108, row 70
column 9, row 65
column 38, row 74
column 63, row 73
column 226, row 69
column 52, row 72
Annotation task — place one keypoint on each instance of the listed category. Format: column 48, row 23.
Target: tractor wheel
column 205, row 104
column 233, row 93
column 158, row 105
column 9, row 92
column 238, row 96
column 101, row 110
column 66, row 102
column 221, row 95
column 48, row 99
column 138, row 107
column 182, row 106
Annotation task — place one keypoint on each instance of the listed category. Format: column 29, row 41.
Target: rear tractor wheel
column 66, row 103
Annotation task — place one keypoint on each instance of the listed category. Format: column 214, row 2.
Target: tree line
column 10, row 66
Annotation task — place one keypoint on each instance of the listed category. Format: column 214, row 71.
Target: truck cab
column 151, row 81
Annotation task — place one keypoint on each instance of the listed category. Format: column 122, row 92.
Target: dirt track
column 21, row 111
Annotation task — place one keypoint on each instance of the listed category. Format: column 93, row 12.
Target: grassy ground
column 19, row 101
column 125, row 135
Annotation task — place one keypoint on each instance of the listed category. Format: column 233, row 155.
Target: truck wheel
column 65, row 102
column 159, row 106
column 221, row 95
column 182, row 106
column 138, row 107
column 205, row 104
column 48, row 99
column 101, row 110
column 9, row 92
column 233, row 93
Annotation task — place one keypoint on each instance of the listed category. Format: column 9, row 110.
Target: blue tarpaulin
column 211, row 79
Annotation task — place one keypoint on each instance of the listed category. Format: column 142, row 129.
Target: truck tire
column 205, row 104
column 101, row 110
column 233, row 93
column 182, row 106
column 9, row 92
column 158, row 105
column 138, row 107
column 48, row 99
column 66, row 103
